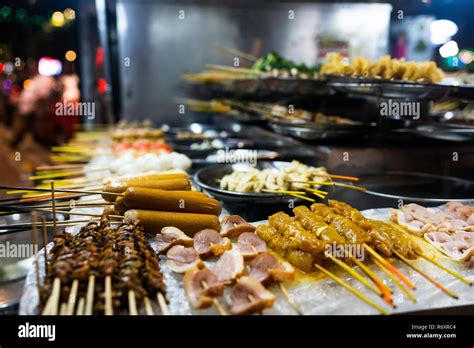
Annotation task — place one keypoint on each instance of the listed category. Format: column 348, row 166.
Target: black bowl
column 250, row 205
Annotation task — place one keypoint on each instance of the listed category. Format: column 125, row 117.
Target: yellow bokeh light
column 57, row 19
column 26, row 84
column 70, row 14
column 70, row 56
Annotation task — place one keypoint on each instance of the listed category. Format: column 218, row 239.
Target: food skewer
column 395, row 280
column 35, row 242
column 71, row 303
column 355, row 274
column 148, row 308
column 45, row 244
column 162, row 303
column 53, row 202
column 109, row 310
column 390, row 267
column 291, row 301
column 351, row 289
column 63, row 212
column 215, row 301
column 446, row 269
column 80, row 307
column 90, row 295
column 426, row 276
column 51, row 307
column 58, row 190
column 386, row 291
column 132, row 304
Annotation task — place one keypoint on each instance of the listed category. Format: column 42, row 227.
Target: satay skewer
column 58, row 190
column 390, row 267
column 35, row 242
column 356, row 275
column 395, row 280
column 426, row 276
column 90, row 295
column 162, row 303
column 132, row 303
column 45, row 244
column 51, row 307
column 386, row 291
column 53, row 203
column 109, row 310
column 351, row 289
column 71, row 303
column 63, row 309
column 148, row 307
column 444, row 268
column 80, row 306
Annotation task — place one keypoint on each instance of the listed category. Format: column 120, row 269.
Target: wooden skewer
column 291, row 301
column 35, row 242
column 351, row 289
column 162, row 303
column 236, row 52
column 426, row 276
column 53, row 202
column 390, row 267
column 58, row 190
column 51, row 307
column 395, row 280
column 45, row 244
column 215, row 301
column 303, row 197
column 233, row 69
column 90, row 295
column 148, row 308
column 63, row 174
column 446, row 269
column 80, row 306
column 59, row 166
column 132, row 304
column 64, row 212
column 320, row 195
column 109, row 310
column 63, row 309
column 71, row 303
column 50, row 223
column 386, row 291
column 331, row 183
column 356, row 275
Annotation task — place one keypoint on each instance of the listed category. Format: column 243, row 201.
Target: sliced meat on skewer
column 266, row 268
column 250, row 245
column 249, row 296
column 201, row 286
column 169, row 237
column 180, row 259
column 234, row 225
column 229, row 266
column 210, row 243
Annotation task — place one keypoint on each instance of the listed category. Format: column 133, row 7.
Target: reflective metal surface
column 160, row 40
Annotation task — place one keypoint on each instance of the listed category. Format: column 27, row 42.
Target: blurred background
column 126, row 58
